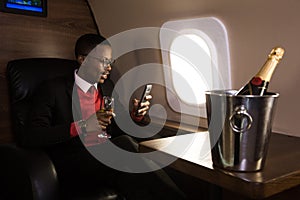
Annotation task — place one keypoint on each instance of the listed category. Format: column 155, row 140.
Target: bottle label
column 258, row 86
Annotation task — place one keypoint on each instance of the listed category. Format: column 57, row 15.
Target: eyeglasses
column 104, row 61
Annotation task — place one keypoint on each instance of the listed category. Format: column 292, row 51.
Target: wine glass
column 108, row 105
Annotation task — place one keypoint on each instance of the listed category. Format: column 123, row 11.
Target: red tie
column 89, row 102
column 92, row 89
column 94, row 92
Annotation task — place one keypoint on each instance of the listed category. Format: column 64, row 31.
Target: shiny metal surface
column 239, row 128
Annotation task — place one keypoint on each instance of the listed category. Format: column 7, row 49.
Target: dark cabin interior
column 251, row 32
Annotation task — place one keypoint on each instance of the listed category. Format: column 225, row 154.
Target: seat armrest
column 26, row 174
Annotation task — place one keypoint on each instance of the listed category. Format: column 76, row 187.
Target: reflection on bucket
column 239, row 128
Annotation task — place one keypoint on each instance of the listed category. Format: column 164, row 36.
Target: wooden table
column 281, row 171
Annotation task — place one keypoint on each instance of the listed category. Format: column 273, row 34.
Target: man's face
column 96, row 65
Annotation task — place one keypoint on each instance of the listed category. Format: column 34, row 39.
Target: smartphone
column 146, row 92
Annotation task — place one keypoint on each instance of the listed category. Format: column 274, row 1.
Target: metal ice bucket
column 239, row 129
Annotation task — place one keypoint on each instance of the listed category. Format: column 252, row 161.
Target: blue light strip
column 22, row 7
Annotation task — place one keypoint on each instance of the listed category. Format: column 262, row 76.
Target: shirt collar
column 83, row 84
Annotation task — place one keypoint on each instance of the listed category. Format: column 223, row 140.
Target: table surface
column 190, row 154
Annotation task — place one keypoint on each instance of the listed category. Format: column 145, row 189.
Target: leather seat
column 29, row 173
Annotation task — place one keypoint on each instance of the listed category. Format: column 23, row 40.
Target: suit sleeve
column 46, row 126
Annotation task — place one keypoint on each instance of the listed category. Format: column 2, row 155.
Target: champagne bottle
column 258, row 85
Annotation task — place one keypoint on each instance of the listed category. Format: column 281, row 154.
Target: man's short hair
column 87, row 42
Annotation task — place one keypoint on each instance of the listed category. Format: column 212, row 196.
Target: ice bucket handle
column 240, row 120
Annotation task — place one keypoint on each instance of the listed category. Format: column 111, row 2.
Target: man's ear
column 80, row 59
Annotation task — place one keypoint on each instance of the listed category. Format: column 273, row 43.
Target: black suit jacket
column 52, row 113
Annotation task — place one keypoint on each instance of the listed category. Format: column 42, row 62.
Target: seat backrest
column 24, row 75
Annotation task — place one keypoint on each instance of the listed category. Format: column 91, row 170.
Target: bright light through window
column 188, row 54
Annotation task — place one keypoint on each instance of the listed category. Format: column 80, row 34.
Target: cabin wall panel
column 29, row 36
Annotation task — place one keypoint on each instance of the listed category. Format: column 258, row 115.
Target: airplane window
column 195, row 54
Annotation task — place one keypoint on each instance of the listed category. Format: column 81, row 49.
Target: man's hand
column 104, row 118
column 98, row 121
column 144, row 106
